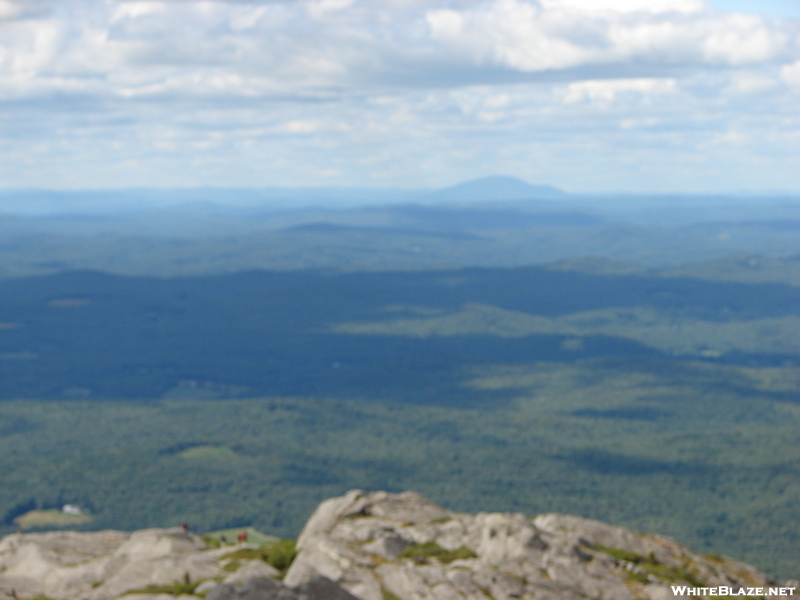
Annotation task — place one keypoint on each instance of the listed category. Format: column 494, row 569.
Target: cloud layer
column 602, row 94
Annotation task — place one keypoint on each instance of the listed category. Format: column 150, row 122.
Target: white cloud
column 440, row 89
column 133, row 10
column 626, row 6
column 319, row 8
column 791, row 74
column 743, row 39
column 639, row 123
column 292, row 44
column 445, row 23
column 751, row 83
column 606, row 91
column 8, row 9
column 301, row 126
column 509, row 33
column 247, row 17
column 731, row 137
column 563, row 34
column 30, row 47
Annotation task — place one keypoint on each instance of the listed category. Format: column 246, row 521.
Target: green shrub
column 649, row 564
column 278, row 554
column 639, row 576
column 211, row 541
column 621, row 554
column 387, row 595
column 176, row 588
column 420, row 553
column 231, row 566
column 244, row 554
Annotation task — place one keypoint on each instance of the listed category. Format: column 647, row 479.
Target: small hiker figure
column 185, row 526
column 223, row 539
column 243, row 537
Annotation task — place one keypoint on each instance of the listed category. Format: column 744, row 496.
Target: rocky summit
column 373, row 546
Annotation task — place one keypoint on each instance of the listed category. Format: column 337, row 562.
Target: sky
column 656, row 96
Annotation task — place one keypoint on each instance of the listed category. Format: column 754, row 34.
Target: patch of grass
column 650, row 565
column 230, row 536
column 420, row 553
column 278, row 554
column 442, row 520
column 232, row 566
column 245, row 554
column 620, row 554
column 177, row 588
column 50, row 518
column 356, row 515
column 639, row 576
column 387, row 595
column 208, row 453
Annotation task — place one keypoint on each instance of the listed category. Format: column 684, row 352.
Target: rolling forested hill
column 392, row 335
column 204, row 238
column 656, row 400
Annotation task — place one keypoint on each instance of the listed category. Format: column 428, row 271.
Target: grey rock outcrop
column 374, row 546
column 378, row 545
column 67, row 565
column 108, row 565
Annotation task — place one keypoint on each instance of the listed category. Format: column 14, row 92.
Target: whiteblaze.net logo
column 682, row 590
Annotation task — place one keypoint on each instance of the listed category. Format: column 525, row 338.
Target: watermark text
column 722, row 590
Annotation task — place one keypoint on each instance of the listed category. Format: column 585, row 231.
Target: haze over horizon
column 589, row 96
column 490, row 192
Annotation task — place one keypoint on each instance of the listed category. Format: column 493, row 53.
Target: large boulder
column 101, row 565
column 62, row 564
column 378, row 545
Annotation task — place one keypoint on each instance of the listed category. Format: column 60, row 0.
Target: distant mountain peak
column 498, row 187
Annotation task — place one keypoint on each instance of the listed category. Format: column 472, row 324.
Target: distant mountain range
column 493, row 221
column 487, row 192
column 203, row 199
